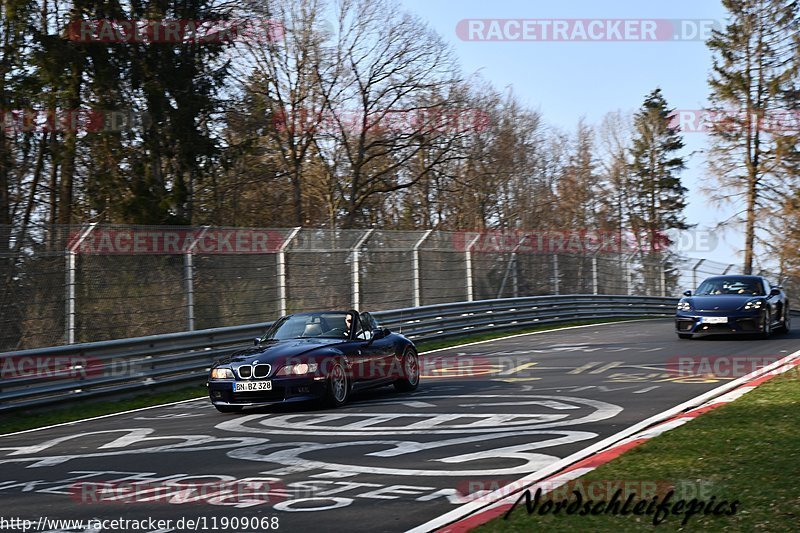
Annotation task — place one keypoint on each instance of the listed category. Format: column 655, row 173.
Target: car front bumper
column 292, row 389
column 736, row 323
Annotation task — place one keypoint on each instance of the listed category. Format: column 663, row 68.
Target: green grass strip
column 748, row 450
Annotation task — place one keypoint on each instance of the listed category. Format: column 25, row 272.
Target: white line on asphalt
column 422, row 353
column 500, row 496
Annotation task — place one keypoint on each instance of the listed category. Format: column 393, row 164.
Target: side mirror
column 379, row 333
column 775, row 292
column 256, row 341
column 687, row 293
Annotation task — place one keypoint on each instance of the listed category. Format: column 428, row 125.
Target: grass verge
column 20, row 421
column 748, row 450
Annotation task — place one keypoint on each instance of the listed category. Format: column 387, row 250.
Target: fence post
column 555, row 273
column 515, row 276
column 282, row 271
column 694, row 274
column 468, row 261
column 416, row 278
column 356, row 251
column 629, row 274
column 72, row 260
column 188, row 273
column 594, row 273
column 664, row 277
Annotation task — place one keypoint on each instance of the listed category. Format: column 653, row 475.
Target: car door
column 773, row 301
column 379, row 352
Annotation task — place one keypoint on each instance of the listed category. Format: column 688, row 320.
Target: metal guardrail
column 46, row 376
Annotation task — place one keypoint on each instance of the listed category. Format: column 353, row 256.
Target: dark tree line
column 355, row 114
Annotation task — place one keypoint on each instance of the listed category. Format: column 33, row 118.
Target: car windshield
column 330, row 325
column 735, row 286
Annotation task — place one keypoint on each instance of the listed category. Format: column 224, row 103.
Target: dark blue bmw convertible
column 323, row 356
column 733, row 304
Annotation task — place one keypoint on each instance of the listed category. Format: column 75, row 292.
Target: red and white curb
column 497, row 503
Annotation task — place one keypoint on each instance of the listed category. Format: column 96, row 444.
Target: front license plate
column 251, row 386
column 715, row 320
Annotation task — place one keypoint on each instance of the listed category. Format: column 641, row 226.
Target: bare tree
column 755, row 67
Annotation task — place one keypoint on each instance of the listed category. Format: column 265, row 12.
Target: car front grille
column 261, row 371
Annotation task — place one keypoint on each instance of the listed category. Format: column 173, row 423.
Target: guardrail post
column 72, row 260
column 468, row 264
column 416, row 278
column 356, row 251
column 694, row 274
column 188, row 274
column 555, row 274
column 282, row 271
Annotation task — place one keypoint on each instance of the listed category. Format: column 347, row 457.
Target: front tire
column 766, row 326
column 409, row 365
column 786, row 323
column 338, row 388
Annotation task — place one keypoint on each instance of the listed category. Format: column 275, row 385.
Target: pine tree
column 659, row 196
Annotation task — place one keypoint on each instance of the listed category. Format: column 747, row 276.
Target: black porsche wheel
column 410, row 369
column 684, row 335
column 786, row 323
column 766, row 325
column 338, row 386
column 229, row 408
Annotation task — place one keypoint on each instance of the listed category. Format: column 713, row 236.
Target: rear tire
column 338, row 389
column 228, row 408
column 409, row 366
column 684, row 335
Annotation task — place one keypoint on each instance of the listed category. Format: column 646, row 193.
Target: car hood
column 728, row 302
column 273, row 351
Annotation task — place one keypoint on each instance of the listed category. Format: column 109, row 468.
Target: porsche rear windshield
column 332, row 325
column 735, row 286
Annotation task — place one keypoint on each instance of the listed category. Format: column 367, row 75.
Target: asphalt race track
column 485, row 414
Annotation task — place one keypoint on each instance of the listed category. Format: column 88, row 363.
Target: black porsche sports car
column 308, row 356
column 733, row 304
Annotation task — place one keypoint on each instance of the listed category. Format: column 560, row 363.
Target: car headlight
column 221, row 373
column 684, row 306
column 297, row 370
column 753, row 305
